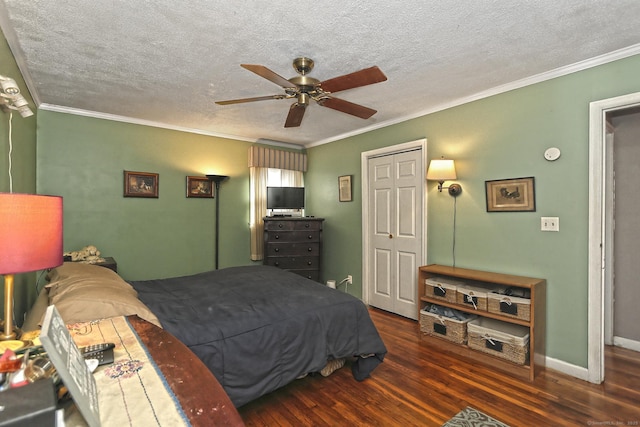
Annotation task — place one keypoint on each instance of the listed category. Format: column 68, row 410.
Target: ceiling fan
column 304, row 88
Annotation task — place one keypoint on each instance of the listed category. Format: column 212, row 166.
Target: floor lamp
column 217, row 179
column 31, row 236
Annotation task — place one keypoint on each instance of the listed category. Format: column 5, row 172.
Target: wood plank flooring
column 418, row 386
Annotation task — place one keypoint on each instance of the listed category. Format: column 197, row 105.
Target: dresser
column 294, row 244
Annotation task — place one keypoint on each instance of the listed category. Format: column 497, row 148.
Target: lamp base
column 14, row 334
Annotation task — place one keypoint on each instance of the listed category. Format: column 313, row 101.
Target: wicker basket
column 501, row 339
column 472, row 297
column 441, row 288
column 510, row 306
column 444, row 327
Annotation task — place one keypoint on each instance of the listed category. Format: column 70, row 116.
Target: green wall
column 83, row 159
column 503, row 136
column 23, row 160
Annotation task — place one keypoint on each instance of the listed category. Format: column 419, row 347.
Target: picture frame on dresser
column 141, row 184
column 199, row 187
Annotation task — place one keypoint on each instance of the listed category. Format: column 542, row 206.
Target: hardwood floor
column 418, row 386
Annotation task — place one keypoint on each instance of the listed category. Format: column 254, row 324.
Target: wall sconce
column 442, row 170
column 11, row 98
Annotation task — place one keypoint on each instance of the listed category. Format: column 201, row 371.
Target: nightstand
column 108, row 262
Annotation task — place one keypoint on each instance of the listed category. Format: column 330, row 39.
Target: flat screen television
column 285, row 197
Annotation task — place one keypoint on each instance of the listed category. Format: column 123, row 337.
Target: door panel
column 395, row 209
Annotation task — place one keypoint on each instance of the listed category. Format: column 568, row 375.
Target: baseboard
column 567, row 368
column 626, row 343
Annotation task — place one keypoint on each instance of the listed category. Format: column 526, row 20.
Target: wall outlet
column 349, row 279
column 550, row 223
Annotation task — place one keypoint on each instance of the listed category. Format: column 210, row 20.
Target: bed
column 257, row 328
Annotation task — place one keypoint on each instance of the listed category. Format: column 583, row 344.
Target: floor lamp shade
column 30, row 240
column 30, row 232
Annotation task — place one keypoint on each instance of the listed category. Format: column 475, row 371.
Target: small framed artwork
column 199, row 186
column 140, row 184
column 344, row 188
column 511, row 195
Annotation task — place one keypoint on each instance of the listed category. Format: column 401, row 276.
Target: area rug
column 470, row 417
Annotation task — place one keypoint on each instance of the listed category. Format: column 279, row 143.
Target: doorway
column 601, row 252
column 393, row 226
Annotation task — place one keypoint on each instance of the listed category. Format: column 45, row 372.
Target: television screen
column 285, row 197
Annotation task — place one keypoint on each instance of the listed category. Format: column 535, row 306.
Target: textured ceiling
column 165, row 62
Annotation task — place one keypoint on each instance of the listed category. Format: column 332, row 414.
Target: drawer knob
column 276, row 264
column 309, row 249
column 307, row 225
column 277, row 250
column 277, row 236
column 309, row 237
column 309, row 263
column 280, row 225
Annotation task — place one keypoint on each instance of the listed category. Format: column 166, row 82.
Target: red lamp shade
column 30, row 232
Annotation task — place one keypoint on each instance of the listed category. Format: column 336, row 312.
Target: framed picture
column 198, row 186
column 344, row 188
column 511, row 195
column 140, row 184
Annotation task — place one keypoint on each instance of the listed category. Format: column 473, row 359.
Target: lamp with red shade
column 30, row 240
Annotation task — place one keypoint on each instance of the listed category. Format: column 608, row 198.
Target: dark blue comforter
column 258, row 328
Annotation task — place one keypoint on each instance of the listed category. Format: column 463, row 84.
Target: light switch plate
column 550, row 223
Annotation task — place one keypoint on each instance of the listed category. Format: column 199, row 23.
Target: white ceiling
column 165, row 62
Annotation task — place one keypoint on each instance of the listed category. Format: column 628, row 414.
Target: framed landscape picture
column 511, row 195
column 199, row 186
column 140, row 184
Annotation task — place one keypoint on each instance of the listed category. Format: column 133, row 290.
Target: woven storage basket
column 501, row 339
column 444, row 327
column 441, row 288
column 510, row 306
column 472, row 297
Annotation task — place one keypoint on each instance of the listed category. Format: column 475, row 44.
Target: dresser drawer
column 294, row 262
column 292, row 225
column 293, row 236
column 309, row 274
column 284, row 249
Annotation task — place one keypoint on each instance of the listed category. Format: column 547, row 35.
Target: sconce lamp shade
column 30, row 232
column 442, row 170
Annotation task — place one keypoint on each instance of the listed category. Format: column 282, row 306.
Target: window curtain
column 260, row 160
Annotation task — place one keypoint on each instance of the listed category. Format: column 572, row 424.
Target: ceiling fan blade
column 266, row 73
column 360, row 78
column 258, row 98
column 296, row 113
column 347, row 107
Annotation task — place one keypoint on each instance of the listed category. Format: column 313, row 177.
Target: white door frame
column 364, row 160
column 599, row 239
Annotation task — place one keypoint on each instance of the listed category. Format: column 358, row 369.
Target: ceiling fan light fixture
column 303, row 99
column 304, row 88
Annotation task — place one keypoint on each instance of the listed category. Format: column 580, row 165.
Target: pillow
column 85, row 292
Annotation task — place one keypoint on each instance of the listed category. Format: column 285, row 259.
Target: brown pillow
column 85, row 292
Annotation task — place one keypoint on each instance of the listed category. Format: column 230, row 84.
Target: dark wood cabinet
column 294, row 244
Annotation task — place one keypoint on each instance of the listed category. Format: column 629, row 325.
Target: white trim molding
column 598, row 238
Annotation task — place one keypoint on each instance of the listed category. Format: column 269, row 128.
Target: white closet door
column 395, row 231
